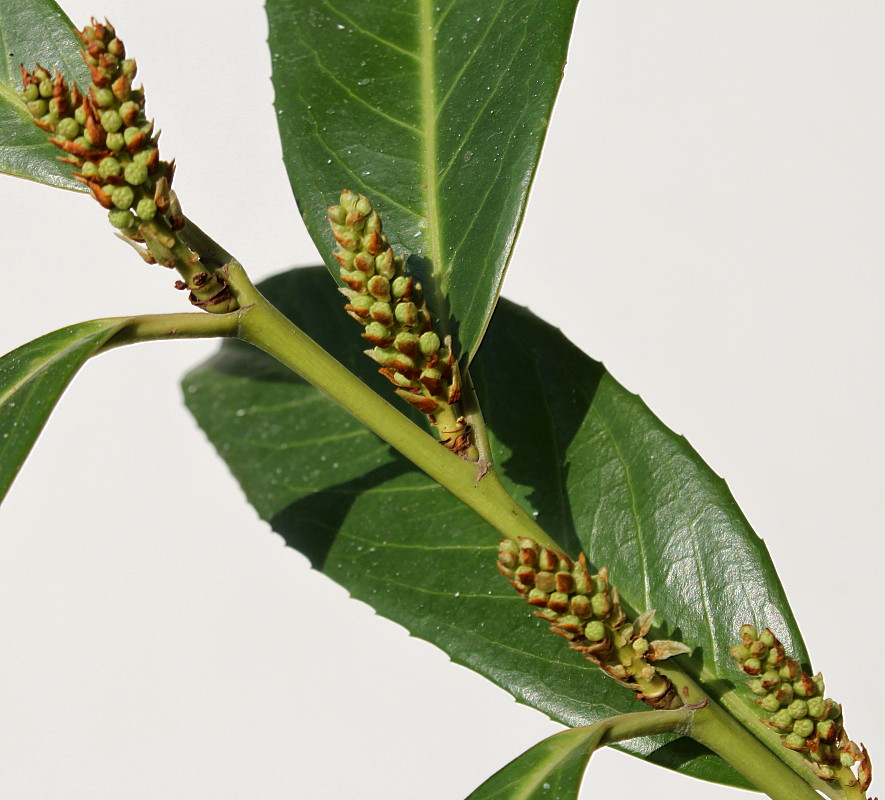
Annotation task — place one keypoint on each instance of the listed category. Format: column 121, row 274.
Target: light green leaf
column 551, row 770
column 436, row 112
column 33, row 31
column 32, row 379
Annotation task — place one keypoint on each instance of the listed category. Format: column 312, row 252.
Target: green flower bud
column 115, row 142
column 38, row 108
column 767, row 638
column 136, row 174
column 846, row 759
column 365, row 262
column 546, row 581
column 109, row 167
column 748, row 634
column 817, row 707
column 83, row 142
column 537, row 597
column 739, row 653
column 381, row 312
column 406, row 342
column 45, row 88
column 752, row 666
column 508, row 553
column 68, row 128
column 407, row 314
column 595, row 631
column 40, row 74
column 146, row 209
column 782, row 720
column 128, row 67
column 825, row 773
column 601, row 605
column 379, row 287
column 111, row 121
column 770, row 679
column 122, row 196
column 30, row 93
column 104, row 97
column 401, row 285
column 640, row 646
column 558, row 602
column 770, row 703
column 828, row 730
column 784, row 694
column 429, row 343
column 798, row 709
column 804, row 727
column 376, row 330
column 115, row 48
column 80, row 115
column 53, row 109
column 385, row 264
column 129, row 113
column 121, row 219
column 130, row 133
column 794, row 741
column 758, row 650
column 580, row 606
column 757, row 687
column 90, row 169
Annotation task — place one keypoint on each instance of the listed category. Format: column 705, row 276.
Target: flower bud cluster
column 794, row 705
column 112, row 146
column 586, row 611
column 389, row 303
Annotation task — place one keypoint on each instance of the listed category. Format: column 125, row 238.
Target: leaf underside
column 575, row 448
column 32, row 32
column 551, row 770
column 436, row 112
column 32, row 378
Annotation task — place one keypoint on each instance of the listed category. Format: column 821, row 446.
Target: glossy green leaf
column 551, row 770
column 32, row 379
column 436, row 112
column 587, row 456
column 31, row 32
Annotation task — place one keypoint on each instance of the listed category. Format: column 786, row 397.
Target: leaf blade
column 550, row 770
column 32, row 378
column 397, row 541
column 437, row 115
column 34, row 31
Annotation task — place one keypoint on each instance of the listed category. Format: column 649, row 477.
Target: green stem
column 716, row 729
column 261, row 324
column 187, row 325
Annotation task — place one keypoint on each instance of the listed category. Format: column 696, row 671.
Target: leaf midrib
column 427, row 61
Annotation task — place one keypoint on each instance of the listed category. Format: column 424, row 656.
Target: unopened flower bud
column 103, row 97
column 782, row 720
column 508, row 553
column 111, row 121
column 748, row 634
column 122, row 196
column 135, row 173
column 429, row 343
column 804, row 727
column 379, row 286
column 407, row 314
column 798, row 709
column 752, row 666
column 601, row 605
column 146, row 209
column 121, row 219
column 794, row 741
column 580, row 606
column 68, row 128
column 739, row 652
column 595, row 631
column 115, row 142
column 109, row 167
column 381, row 312
column 770, row 703
column 546, row 581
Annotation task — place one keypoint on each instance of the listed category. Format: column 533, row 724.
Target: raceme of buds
column 390, row 305
column 110, row 143
column 794, row 705
column 585, row 610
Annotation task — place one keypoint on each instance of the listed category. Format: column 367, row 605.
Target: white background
column 707, row 219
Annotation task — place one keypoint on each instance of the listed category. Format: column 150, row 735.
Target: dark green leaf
column 33, row 31
column 32, row 379
column 551, row 770
column 436, row 112
column 588, row 457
